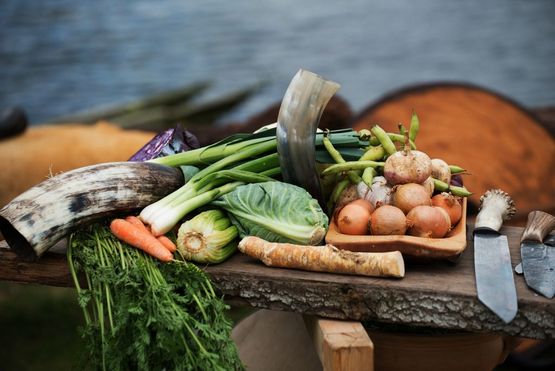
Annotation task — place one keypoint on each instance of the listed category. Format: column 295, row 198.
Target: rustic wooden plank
column 341, row 345
column 51, row 269
column 436, row 294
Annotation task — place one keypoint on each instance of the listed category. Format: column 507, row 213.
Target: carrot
column 137, row 223
column 326, row 258
column 137, row 237
column 168, row 244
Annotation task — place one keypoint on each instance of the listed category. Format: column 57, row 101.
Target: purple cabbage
column 166, row 143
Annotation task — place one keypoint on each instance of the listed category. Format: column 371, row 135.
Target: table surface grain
column 432, row 295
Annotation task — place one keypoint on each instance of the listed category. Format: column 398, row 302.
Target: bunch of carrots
column 134, row 232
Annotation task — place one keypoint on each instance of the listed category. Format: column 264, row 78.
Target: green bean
column 350, row 166
column 402, row 129
column 394, row 137
column 373, row 153
column 456, row 169
column 354, row 176
column 414, row 126
column 440, row 186
column 384, row 139
column 459, row 191
column 444, row 187
column 336, row 194
column 335, row 155
column 368, row 175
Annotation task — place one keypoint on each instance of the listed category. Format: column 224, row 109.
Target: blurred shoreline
column 61, row 57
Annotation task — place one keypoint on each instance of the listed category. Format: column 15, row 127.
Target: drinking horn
column 41, row 216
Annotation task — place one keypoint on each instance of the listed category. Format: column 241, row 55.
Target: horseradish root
column 326, row 258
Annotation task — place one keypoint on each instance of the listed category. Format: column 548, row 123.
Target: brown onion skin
column 429, row 185
column 388, row 220
column 353, row 218
column 407, row 167
column 364, row 203
column 450, row 204
column 408, row 196
column 428, row 222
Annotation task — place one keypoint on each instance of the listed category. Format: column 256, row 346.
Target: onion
column 354, row 217
column 441, row 170
column 388, row 220
column 379, row 193
column 428, row 221
column 450, row 204
column 407, row 167
column 364, row 203
column 429, row 185
column 408, row 196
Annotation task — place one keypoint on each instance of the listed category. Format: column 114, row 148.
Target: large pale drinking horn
column 43, row 215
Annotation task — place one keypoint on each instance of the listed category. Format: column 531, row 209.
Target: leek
column 234, row 161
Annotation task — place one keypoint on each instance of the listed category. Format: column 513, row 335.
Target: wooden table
column 436, row 295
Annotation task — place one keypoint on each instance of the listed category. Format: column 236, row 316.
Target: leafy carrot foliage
column 141, row 314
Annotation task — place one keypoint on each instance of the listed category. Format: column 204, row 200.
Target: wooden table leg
column 341, row 345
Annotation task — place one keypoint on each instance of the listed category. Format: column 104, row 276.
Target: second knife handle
column 495, row 207
column 539, row 224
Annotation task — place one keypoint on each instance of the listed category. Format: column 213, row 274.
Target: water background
column 62, row 56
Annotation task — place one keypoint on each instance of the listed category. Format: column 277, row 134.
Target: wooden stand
column 341, row 345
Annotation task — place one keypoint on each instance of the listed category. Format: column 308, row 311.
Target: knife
column 538, row 260
column 492, row 261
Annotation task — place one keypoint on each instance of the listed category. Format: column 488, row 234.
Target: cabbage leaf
column 276, row 212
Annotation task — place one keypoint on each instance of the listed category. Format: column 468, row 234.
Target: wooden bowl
column 448, row 247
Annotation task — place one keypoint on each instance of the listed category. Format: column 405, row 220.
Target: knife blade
column 492, row 261
column 538, row 259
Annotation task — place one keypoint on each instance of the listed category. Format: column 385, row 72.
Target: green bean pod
column 402, row 129
column 384, row 139
column 456, row 169
column 394, row 137
column 444, row 187
column 350, row 166
column 334, row 153
column 373, row 153
column 368, row 175
column 414, row 127
column 338, row 189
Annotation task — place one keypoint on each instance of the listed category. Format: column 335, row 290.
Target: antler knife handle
column 495, row 207
column 539, row 224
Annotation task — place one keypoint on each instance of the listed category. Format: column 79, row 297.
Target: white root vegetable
column 441, row 170
column 325, row 258
column 379, row 193
column 407, row 166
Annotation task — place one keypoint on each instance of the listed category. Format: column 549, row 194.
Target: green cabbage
column 276, row 212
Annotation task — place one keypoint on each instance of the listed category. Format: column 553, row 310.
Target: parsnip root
column 326, row 258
